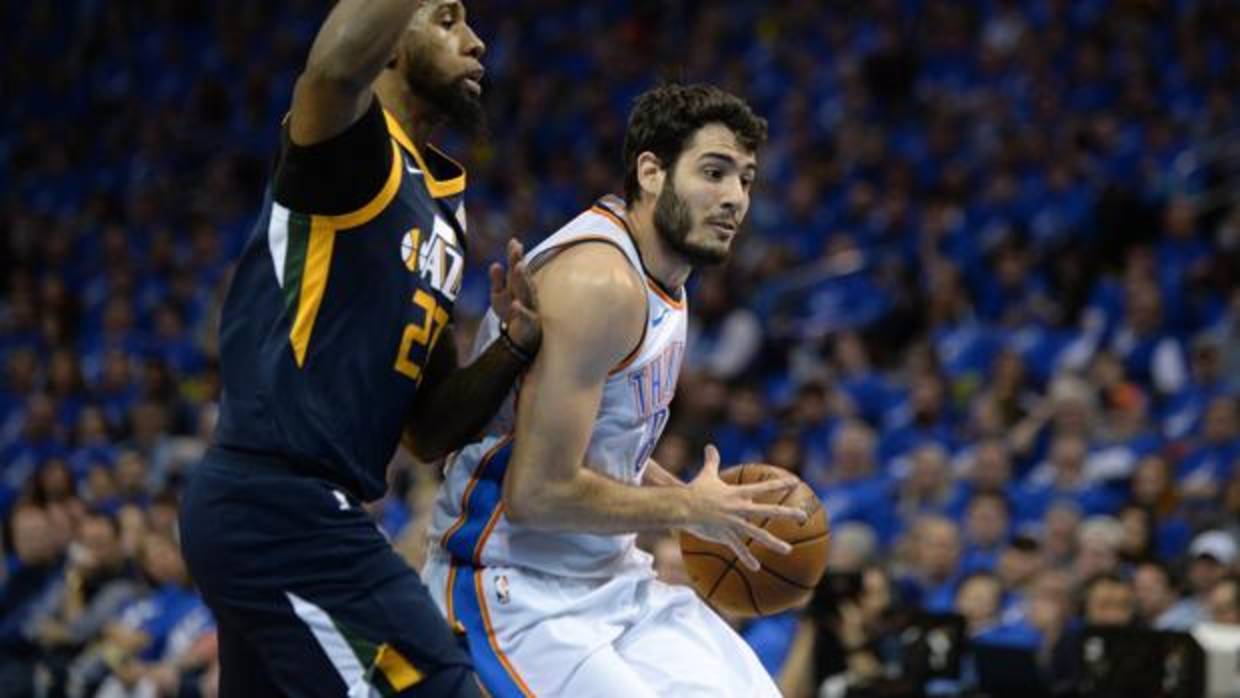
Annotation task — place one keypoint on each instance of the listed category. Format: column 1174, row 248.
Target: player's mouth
column 473, row 81
column 726, row 227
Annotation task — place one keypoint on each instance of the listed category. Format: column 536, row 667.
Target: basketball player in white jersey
column 533, row 537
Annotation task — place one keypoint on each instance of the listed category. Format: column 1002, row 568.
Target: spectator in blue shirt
column 854, row 490
column 1203, row 471
column 1062, row 477
column 1182, row 415
column 934, row 574
column 986, row 528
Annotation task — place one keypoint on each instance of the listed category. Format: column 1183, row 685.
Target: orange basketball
column 785, row 581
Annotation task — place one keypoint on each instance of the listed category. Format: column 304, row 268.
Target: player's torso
column 330, row 319
column 632, row 414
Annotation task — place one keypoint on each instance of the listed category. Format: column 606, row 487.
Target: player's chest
column 424, row 245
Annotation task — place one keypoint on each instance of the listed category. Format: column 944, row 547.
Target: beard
column 449, row 99
column 673, row 222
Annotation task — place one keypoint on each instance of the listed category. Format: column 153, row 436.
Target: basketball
column 784, row 581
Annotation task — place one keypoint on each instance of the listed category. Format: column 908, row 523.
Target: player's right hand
column 723, row 513
column 515, row 300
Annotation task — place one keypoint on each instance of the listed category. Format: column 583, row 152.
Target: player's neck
column 413, row 115
column 663, row 263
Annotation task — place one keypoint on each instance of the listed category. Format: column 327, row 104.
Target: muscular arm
column 454, row 403
column 355, row 42
column 592, row 312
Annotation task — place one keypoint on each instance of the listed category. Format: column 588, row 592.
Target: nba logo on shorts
column 501, row 589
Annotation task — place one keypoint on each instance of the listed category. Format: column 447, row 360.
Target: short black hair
column 665, row 118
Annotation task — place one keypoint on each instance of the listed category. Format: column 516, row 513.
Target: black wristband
column 511, row 345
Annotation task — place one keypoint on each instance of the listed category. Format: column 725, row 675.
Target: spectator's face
column 704, row 196
column 1150, row 480
column 992, row 469
column 929, row 471
column 56, row 481
column 1061, row 524
column 34, row 541
column 978, row 600
column 130, row 473
column 91, row 429
column 1144, row 307
column 1220, row 420
column 939, row 548
column 40, row 418
column 100, row 483
column 1222, row 604
column 987, row 522
column 1153, row 594
column 1095, row 557
column 1110, row 604
column 162, row 560
column 1068, row 456
column 854, row 452
column 1016, row 566
column 440, row 59
column 1136, row 531
column 1204, row 573
column 101, row 543
column 927, row 397
column 1048, row 602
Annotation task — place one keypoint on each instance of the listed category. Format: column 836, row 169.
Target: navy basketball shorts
column 308, row 595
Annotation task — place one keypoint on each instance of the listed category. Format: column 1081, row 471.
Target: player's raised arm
column 356, row 41
column 592, row 307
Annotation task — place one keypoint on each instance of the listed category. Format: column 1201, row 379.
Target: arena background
column 987, row 305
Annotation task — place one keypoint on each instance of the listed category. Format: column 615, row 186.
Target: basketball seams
column 771, row 571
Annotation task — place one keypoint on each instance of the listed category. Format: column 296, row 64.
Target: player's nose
column 473, row 45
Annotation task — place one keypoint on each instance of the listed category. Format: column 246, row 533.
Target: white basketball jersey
column 469, row 521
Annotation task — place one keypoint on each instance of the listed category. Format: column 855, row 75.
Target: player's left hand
column 514, row 299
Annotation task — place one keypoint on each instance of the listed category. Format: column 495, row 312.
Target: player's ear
column 650, row 173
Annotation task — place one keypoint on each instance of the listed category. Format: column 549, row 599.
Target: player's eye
column 714, row 173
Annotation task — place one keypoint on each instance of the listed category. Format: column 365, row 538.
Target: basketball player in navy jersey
column 333, row 347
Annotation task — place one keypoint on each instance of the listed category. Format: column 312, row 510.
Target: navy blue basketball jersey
column 330, row 320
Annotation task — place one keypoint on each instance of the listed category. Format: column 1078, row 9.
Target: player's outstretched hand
column 514, row 299
column 723, row 513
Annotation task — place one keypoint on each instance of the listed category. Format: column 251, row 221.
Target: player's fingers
column 497, row 277
column 764, row 537
column 775, row 511
column 743, row 553
column 521, row 285
column 514, row 252
column 781, row 484
column 710, row 461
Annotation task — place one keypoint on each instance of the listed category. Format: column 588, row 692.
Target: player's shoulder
column 592, row 271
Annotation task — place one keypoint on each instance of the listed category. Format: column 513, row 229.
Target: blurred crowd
column 987, row 304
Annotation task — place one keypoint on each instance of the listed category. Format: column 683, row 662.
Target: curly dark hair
column 665, row 118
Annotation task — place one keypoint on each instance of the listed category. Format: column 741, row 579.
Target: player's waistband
column 251, row 459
